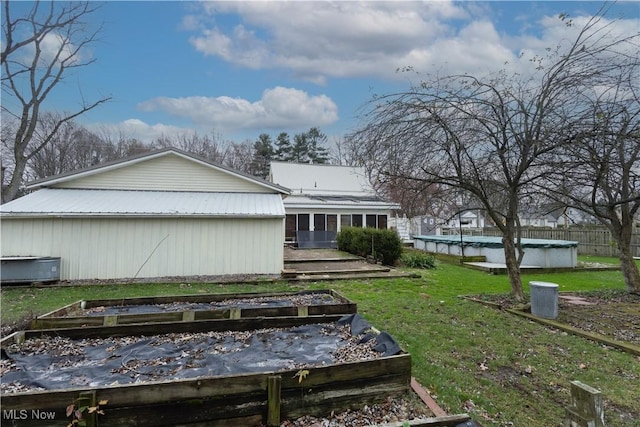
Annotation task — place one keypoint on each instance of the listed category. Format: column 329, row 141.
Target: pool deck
column 497, row 268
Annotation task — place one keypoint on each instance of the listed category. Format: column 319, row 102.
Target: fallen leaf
column 301, row 374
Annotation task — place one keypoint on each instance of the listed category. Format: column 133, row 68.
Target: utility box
column 29, row 269
column 544, row 299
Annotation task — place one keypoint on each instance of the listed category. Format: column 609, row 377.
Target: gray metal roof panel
column 53, row 202
column 303, row 178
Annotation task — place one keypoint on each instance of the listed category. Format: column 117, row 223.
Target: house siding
column 166, row 173
column 114, row 248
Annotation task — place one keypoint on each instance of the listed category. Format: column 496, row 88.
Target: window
column 356, row 220
column 332, row 222
column 303, row 222
column 371, row 221
column 319, row 222
column 290, row 227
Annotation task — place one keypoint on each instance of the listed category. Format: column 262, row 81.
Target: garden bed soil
column 106, row 359
column 347, row 371
column 195, row 307
column 612, row 314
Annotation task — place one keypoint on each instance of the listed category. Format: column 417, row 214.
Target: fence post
column 274, row 385
column 586, row 407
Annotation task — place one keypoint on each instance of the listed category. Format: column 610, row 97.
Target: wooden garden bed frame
column 233, row 400
column 70, row 316
column 228, row 400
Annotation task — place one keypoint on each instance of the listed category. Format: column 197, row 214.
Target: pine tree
column 283, row 148
column 315, row 139
column 262, row 155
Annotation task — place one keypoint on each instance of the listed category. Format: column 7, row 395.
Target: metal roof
column 67, row 202
column 304, row 178
column 332, row 201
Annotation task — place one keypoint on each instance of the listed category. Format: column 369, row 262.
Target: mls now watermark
column 26, row 414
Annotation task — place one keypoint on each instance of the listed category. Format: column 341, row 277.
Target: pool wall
column 538, row 252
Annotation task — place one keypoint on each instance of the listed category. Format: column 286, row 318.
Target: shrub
column 382, row 244
column 418, row 259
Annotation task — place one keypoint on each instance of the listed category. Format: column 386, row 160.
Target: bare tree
column 494, row 136
column 599, row 173
column 38, row 51
column 210, row 147
column 343, row 153
column 72, row 147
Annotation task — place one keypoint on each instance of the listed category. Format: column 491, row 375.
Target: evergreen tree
column 283, row 148
column 263, row 153
column 300, row 149
column 315, row 139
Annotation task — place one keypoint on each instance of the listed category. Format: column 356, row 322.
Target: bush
column 418, row 259
column 382, row 244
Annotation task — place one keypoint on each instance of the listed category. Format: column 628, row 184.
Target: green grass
column 502, row 369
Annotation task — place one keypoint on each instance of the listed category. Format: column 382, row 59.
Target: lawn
column 502, row 369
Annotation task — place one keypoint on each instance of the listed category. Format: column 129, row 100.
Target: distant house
column 467, row 219
column 326, row 198
column 160, row 214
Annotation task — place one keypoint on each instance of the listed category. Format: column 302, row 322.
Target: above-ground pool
column 537, row 252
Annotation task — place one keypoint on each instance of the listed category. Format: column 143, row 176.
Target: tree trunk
column 629, row 267
column 11, row 190
column 513, row 266
column 630, row 272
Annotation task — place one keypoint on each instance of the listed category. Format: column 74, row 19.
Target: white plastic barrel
column 544, row 299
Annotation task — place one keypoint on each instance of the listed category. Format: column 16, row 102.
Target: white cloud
column 277, row 109
column 138, row 129
column 320, row 40
column 328, row 39
column 53, row 49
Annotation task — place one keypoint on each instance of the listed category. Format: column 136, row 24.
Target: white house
column 467, row 219
column 326, row 198
column 165, row 213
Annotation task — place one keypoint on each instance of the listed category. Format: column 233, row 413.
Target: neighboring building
column 467, row 219
column 160, row 214
column 326, row 198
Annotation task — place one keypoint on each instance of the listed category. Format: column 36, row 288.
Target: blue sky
column 237, row 69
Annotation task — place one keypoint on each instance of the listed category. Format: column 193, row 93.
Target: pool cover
column 495, row 242
column 51, row 363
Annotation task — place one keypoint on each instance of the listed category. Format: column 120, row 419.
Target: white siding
column 167, row 173
column 127, row 248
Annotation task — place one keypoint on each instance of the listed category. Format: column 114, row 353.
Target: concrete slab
column 574, row 300
column 497, row 265
column 332, row 264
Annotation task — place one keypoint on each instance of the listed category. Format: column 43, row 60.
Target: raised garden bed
column 169, row 373
column 175, row 308
column 610, row 318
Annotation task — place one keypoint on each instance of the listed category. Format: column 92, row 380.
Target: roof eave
column 55, row 215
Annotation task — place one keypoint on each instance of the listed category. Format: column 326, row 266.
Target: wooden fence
column 592, row 241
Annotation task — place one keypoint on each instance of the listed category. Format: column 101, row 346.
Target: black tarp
column 65, row 363
column 241, row 303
